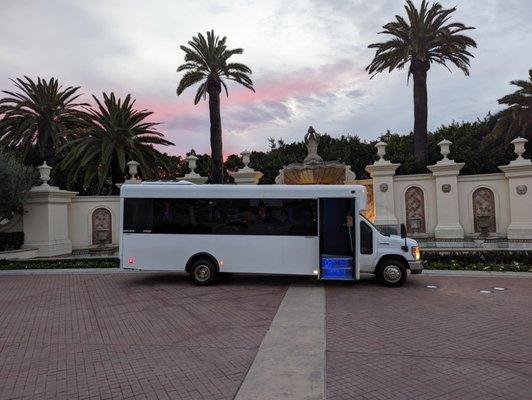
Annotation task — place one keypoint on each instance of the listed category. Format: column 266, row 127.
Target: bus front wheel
column 392, row 273
column 203, row 272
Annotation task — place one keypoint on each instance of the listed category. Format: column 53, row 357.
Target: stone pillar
column 192, row 176
column 246, row 175
column 446, row 173
column 382, row 172
column 519, row 175
column 45, row 220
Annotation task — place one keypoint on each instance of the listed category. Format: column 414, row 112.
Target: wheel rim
column 392, row 273
column 202, row 273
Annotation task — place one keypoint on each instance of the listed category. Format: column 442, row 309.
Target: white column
column 246, row 175
column 45, row 220
column 446, row 173
column 382, row 172
column 519, row 175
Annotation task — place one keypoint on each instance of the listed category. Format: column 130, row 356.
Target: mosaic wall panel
column 415, row 210
column 102, row 220
column 484, row 210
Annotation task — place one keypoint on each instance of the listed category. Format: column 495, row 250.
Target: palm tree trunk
column 419, row 71
column 217, row 174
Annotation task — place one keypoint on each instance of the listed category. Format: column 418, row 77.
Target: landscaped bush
column 487, row 260
column 11, row 240
column 60, row 263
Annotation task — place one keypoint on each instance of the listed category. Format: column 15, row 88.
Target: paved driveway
column 129, row 336
column 158, row 336
column 452, row 342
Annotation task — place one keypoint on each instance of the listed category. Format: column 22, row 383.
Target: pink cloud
column 181, row 118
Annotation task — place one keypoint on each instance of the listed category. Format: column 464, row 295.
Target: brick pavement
column 130, row 335
column 143, row 336
column 418, row 343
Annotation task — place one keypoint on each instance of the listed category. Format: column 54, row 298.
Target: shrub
column 11, row 240
column 487, row 260
column 15, row 179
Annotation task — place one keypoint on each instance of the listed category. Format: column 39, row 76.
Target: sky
column 307, row 57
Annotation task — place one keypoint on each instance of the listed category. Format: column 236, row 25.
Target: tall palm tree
column 425, row 37
column 516, row 120
column 113, row 133
column 206, row 61
column 37, row 117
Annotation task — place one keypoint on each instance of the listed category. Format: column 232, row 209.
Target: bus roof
column 182, row 189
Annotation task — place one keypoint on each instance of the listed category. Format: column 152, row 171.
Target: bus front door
column 336, row 238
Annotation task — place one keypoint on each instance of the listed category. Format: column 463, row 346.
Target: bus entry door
column 337, row 242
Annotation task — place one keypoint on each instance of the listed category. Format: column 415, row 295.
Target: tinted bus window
column 297, row 217
column 138, row 215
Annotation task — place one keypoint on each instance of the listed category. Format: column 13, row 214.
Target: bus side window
column 366, row 238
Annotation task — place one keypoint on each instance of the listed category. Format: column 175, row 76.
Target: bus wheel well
column 201, row 256
column 391, row 257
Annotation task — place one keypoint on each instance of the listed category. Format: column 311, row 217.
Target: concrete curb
column 494, row 274
column 64, row 271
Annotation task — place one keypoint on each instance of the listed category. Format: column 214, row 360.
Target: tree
column 113, row 134
column 516, row 120
column 426, row 37
column 206, row 61
column 15, row 179
column 37, row 118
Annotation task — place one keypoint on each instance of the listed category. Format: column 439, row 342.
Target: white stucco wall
column 425, row 182
column 467, row 184
column 80, row 218
column 498, row 184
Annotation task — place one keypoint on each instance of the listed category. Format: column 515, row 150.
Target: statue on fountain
column 313, row 170
column 312, row 139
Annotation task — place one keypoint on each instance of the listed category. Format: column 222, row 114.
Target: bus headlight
column 415, row 252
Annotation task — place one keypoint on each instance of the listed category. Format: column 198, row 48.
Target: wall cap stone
column 382, row 169
column 518, row 169
column 446, row 168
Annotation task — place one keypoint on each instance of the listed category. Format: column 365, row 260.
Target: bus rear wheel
column 392, row 273
column 203, row 272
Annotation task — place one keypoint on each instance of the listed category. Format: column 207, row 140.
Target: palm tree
column 516, row 120
column 206, row 61
column 425, row 37
column 37, row 117
column 113, row 133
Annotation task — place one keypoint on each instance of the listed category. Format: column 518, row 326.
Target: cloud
column 307, row 56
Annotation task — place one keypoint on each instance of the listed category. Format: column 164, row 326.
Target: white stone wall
column 467, row 184
column 426, row 183
column 80, row 218
column 503, row 208
column 498, row 184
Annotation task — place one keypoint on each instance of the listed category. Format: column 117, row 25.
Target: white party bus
column 205, row 230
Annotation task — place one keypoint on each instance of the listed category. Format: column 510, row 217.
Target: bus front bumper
column 416, row 267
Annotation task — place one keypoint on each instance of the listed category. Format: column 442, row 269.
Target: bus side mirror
column 403, row 231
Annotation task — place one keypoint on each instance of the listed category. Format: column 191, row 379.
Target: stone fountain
column 313, row 170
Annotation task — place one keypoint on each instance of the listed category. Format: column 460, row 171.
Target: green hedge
column 60, row 263
column 11, row 240
column 487, row 260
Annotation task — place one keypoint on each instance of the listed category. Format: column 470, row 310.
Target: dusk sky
column 307, row 58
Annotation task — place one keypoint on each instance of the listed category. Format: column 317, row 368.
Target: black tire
column 203, row 272
column 392, row 273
